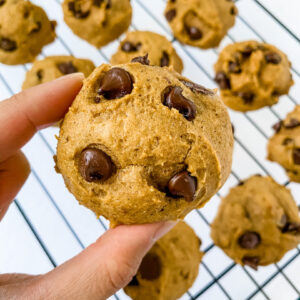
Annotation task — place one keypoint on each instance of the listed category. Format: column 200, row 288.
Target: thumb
column 104, row 267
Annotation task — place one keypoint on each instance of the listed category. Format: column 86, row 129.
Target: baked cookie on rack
column 169, row 269
column 24, row 30
column 97, row 21
column 53, row 67
column 138, row 43
column 200, row 23
column 257, row 222
column 142, row 144
column 252, row 75
column 284, row 146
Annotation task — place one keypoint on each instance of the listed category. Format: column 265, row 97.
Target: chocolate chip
column 222, row 80
column 115, row 84
column 133, row 282
column 277, row 126
column 76, row 10
column 108, row 5
column 7, row 44
column 129, row 47
column 234, row 67
column 194, row 33
column 196, row 88
column 37, row 28
column 287, row 141
column 241, row 183
column 273, row 58
column 2, row 2
column 233, row 11
column 296, row 156
column 247, row 97
column 233, row 129
column 95, row 165
column 249, row 240
column 292, row 227
column 170, row 14
column 183, row 185
column 150, row 268
column 292, row 124
column 40, row 74
column 173, row 98
column 165, row 60
column 67, row 68
column 247, row 51
column 251, row 261
column 142, row 60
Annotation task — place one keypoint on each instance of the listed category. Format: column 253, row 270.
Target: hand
column 102, row 268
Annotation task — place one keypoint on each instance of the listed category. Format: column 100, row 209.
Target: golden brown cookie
column 141, row 144
column 257, row 222
column 97, row 21
column 139, row 43
column 24, row 30
column 200, row 23
column 53, row 67
column 170, row 267
column 284, row 146
column 252, row 75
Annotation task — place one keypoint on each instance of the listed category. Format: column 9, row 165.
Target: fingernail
column 165, row 228
column 78, row 75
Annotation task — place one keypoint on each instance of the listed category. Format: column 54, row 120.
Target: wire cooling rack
column 45, row 226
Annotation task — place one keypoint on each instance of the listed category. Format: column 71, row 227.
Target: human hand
column 102, row 268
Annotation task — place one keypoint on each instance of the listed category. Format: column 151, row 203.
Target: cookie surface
column 97, row 21
column 200, row 23
column 284, row 146
column 140, row 43
column 53, row 67
column 24, row 30
column 257, row 222
column 142, row 144
column 252, row 75
column 170, row 267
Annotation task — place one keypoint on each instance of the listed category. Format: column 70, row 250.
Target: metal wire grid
column 258, row 291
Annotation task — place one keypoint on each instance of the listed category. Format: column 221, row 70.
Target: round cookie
column 53, row 67
column 24, row 30
column 200, row 23
column 169, row 269
column 252, row 75
column 138, row 43
column 142, row 144
column 97, row 21
column 284, row 146
column 257, row 222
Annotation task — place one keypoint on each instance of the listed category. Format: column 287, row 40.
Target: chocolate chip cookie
column 257, row 222
column 284, row 146
column 97, row 21
column 139, row 43
column 170, row 267
column 54, row 67
column 24, row 30
column 252, row 75
column 200, row 23
column 141, row 144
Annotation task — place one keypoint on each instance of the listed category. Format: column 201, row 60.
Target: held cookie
column 24, row 30
column 53, row 67
column 142, row 144
column 257, row 222
column 200, row 23
column 252, row 75
column 169, row 269
column 139, row 43
column 97, row 21
column 284, row 146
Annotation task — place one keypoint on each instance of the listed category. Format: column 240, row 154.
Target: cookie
column 24, row 30
column 142, row 144
column 200, row 23
column 257, row 222
column 252, row 75
column 53, row 67
column 284, row 146
column 97, row 21
column 169, row 269
column 139, row 43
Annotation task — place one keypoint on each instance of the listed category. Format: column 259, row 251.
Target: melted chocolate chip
column 67, row 68
column 173, row 98
column 277, row 126
column 76, row 10
column 133, row 282
column 249, row 240
column 95, row 165
column 234, row 67
column 108, row 5
column 2, row 2
column 196, row 88
column 170, row 14
column 142, row 60
column 233, row 11
column 37, row 28
column 194, row 33
column 241, row 183
column 130, row 47
column 272, row 58
column 247, row 97
column 39, row 74
column 115, row 84
column 165, row 60
column 222, row 80
column 247, row 51
column 287, row 141
column 7, row 44
column 150, row 268
column 183, row 185
column 251, row 261
column 291, row 227
column 296, row 156
column 292, row 124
